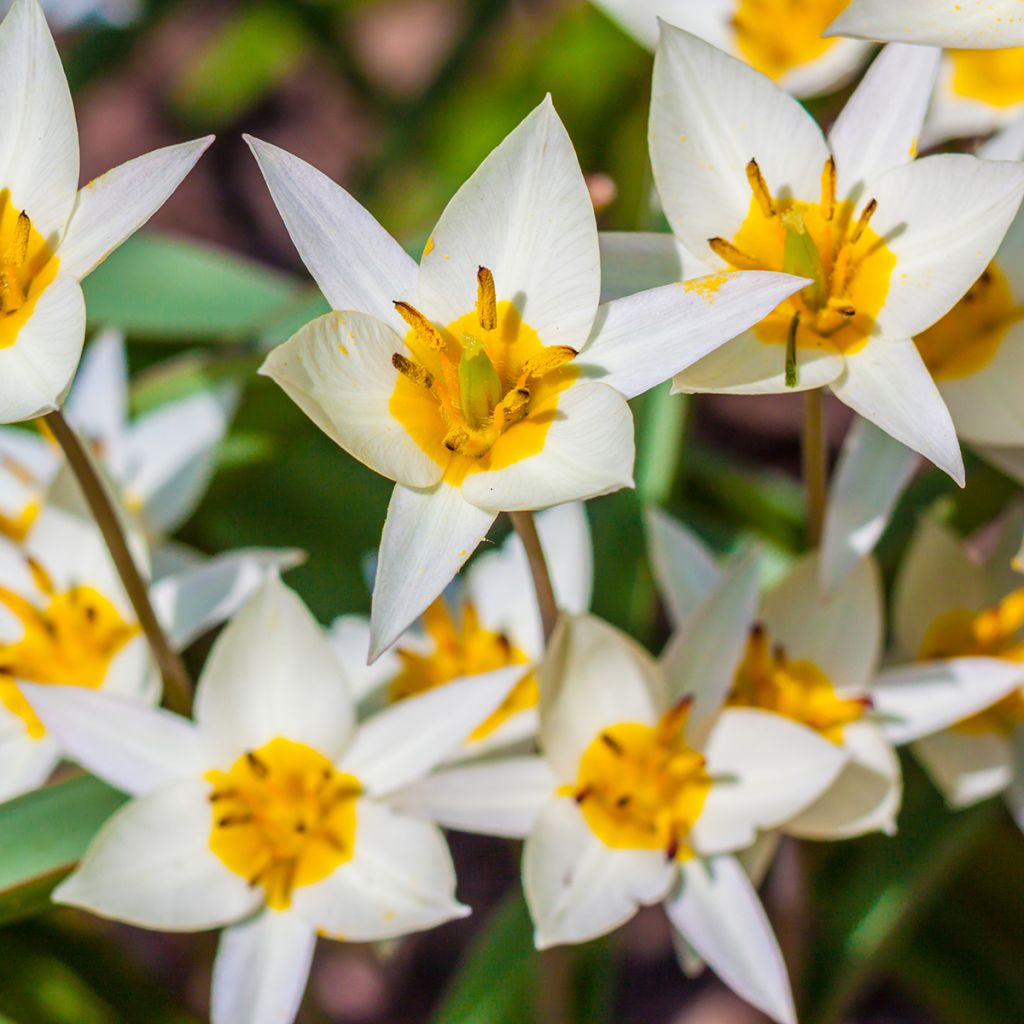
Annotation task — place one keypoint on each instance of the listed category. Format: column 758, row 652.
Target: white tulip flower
column 748, row 180
column 496, row 624
column 968, row 24
column 644, row 790
column 269, row 816
column 51, row 233
column 488, row 379
column 781, row 39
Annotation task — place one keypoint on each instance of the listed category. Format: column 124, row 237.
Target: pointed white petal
column 338, row 371
column 404, row 742
column 865, row 798
column 633, row 261
column 701, row 659
column 526, row 215
column 767, row 769
column 261, row 968
column 645, row 339
column 97, row 405
column 717, row 911
column 151, row 865
column 579, row 889
column 917, row 700
column 592, row 677
column 873, row 471
column 39, row 150
column 350, row 640
column 588, row 451
column 881, row 123
column 36, row 370
column 683, row 566
column 272, row 673
column 888, row 383
column 967, row 24
column 133, row 747
column 114, row 206
column 943, row 219
column 967, row 767
column 356, row 263
column 428, row 535
column 25, row 763
column 400, row 880
column 492, row 798
column 711, row 115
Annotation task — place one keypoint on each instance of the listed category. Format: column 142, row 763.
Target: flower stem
column 524, row 524
column 177, row 685
column 815, row 467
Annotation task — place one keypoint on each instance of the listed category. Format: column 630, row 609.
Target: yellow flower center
column 797, row 690
column 283, row 817
column 992, row 633
column 776, row 36
column 640, row 787
column 850, row 266
column 481, row 393
column 464, row 647
column 993, row 77
column 27, row 267
column 70, row 642
column 967, row 338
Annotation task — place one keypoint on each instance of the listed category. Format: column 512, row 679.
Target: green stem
column 815, row 465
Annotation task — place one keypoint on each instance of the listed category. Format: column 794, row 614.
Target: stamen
column 612, row 744
column 18, row 251
column 40, row 577
column 862, row 223
column 416, row 373
column 230, row 820
column 258, row 767
column 760, row 189
column 733, row 256
column 457, row 439
column 426, row 333
column 828, row 189
column 486, row 299
column 512, row 408
column 550, row 359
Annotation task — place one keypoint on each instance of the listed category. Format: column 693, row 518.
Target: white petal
column 592, row 677
column 39, row 152
column 36, row 370
column 25, row 763
column 97, row 405
column 747, row 366
column 967, row 767
column 400, row 880
column 272, row 673
column 338, row 371
column 564, row 534
column 832, row 70
column 151, row 865
column 918, row 700
column 701, row 659
column 943, row 219
column 936, row 577
column 526, row 215
column 767, row 769
column 192, row 602
column 881, row 123
column 710, row 115
column 873, row 471
column 356, row 263
column 717, row 911
column 579, row 889
column 492, row 798
column 840, row 633
column 645, row 339
column 401, row 744
column 114, row 206
column 588, row 451
column 633, row 261
column 866, row 796
column 428, row 535
column 968, row 24
column 683, row 566
column 133, row 747
column 350, row 640
column 888, row 383
column 261, row 968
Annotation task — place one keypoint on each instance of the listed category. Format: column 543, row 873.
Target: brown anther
column 612, row 744
column 222, row 794
column 256, row 766
column 733, row 256
column 486, row 299
column 416, row 373
column 624, row 801
column 863, row 221
column 426, row 333
column 760, row 189
column 828, row 189
column 672, row 850
column 550, row 359
column 230, row 820
column 583, row 794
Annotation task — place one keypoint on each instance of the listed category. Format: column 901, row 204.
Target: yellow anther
column 426, row 333
column 457, row 439
column 550, row 359
column 733, row 256
column 863, row 221
column 416, row 373
column 512, row 408
column 18, row 251
column 828, row 189
column 40, row 577
column 486, row 299
column 760, row 189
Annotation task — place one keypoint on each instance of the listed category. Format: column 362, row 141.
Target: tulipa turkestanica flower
column 488, row 379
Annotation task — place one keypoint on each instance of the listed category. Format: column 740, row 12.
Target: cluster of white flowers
column 306, row 795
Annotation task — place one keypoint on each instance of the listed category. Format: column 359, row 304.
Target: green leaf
column 42, row 836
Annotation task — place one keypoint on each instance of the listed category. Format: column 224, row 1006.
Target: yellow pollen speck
column 707, row 287
column 282, row 818
column 429, row 247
